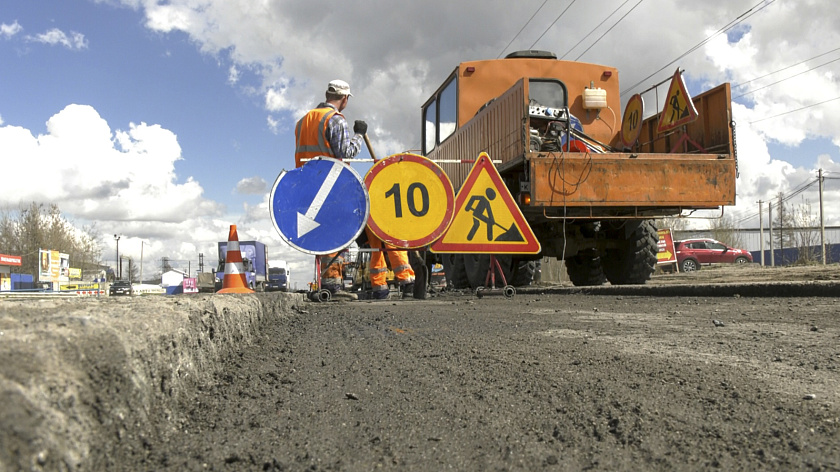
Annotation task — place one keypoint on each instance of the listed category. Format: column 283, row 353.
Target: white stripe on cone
column 234, row 268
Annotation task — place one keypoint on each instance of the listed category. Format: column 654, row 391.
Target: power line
column 595, row 28
column 785, row 68
column 787, row 78
column 552, row 23
column 522, row 29
column 743, row 16
column 611, row 27
column 794, row 111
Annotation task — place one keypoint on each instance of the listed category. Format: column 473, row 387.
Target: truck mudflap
column 610, row 181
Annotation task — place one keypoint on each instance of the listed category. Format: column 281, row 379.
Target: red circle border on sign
column 448, row 215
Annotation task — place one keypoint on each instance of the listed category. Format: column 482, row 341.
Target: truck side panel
column 612, row 180
column 712, row 130
column 482, row 134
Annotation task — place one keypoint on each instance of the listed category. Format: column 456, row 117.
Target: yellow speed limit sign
column 631, row 126
column 411, row 200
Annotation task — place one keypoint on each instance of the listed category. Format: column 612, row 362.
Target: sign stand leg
column 490, row 281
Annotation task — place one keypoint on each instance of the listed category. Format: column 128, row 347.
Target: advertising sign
column 190, row 285
column 667, row 254
column 6, row 259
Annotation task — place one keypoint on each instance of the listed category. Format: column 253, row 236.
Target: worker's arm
column 342, row 145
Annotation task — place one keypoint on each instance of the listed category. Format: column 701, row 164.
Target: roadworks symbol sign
column 486, row 218
column 679, row 107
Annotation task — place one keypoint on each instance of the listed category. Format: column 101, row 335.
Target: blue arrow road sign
column 321, row 207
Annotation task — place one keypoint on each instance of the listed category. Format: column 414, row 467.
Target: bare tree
column 726, row 231
column 804, row 233
column 28, row 228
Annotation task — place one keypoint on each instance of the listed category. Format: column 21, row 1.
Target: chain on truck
column 591, row 201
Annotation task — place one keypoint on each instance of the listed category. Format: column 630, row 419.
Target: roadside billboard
column 53, row 267
column 667, row 254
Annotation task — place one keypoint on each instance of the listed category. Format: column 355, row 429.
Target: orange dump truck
column 554, row 129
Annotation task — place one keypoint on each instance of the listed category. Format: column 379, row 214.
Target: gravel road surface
column 541, row 381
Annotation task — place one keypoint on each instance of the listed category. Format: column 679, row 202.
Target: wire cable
column 552, row 23
column 743, row 16
column 794, row 111
column 786, row 78
column 593, row 29
column 785, row 68
column 610, row 29
column 522, row 29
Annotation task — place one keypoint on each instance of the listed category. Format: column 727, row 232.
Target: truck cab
column 278, row 278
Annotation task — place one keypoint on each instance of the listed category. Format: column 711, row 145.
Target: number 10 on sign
column 411, row 200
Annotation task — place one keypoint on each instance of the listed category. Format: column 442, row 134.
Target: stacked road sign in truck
column 588, row 181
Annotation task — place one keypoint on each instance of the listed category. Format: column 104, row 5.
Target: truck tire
column 635, row 260
column 456, row 274
column 524, row 274
column 584, row 268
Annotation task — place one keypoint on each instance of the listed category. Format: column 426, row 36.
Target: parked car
column 691, row 253
column 120, row 287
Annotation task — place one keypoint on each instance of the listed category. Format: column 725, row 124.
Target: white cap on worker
column 339, row 87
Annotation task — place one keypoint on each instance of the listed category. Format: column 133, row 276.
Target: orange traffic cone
column 235, row 281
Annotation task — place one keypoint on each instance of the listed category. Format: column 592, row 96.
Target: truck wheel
column 585, row 268
column 456, row 274
column 634, row 261
column 524, row 274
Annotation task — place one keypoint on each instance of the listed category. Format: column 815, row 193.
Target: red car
column 693, row 252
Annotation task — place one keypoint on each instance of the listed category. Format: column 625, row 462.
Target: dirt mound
column 80, row 378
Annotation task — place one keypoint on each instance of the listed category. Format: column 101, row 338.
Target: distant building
column 172, row 278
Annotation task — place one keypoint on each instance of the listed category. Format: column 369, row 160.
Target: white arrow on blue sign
column 321, row 207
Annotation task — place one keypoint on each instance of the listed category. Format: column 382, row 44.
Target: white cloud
column 251, row 186
column 98, row 174
column 233, row 75
column 53, row 37
column 8, row 31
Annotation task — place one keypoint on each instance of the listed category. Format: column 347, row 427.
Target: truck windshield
column 547, row 92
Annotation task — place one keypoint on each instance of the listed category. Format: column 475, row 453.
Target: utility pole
column 781, row 228
column 822, row 219
column 770, row 222
column 142, row 243
column 761, row 232
column 119, row 266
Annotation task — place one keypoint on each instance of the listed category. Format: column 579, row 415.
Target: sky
column 166, row 121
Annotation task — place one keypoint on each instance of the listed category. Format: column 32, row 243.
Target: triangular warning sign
column 679, row 107
column 486, row 218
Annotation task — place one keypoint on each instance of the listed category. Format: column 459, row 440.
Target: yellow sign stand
column 486, row 219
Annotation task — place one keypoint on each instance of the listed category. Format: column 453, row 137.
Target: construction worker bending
column 378, row 269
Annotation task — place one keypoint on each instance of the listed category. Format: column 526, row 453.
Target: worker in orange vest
column 323, row 131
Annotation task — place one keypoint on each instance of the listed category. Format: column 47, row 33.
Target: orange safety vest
column 311, row 135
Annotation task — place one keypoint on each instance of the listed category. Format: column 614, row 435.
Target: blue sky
column 167, row 121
